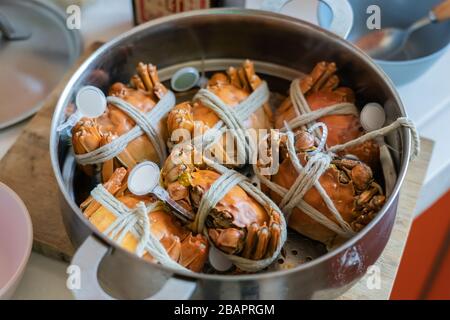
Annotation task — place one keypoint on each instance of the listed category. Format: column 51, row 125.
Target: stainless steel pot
column 281, row 47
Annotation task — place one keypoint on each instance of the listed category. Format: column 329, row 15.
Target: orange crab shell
column 232, row 96
column 341, row 128
column 344, row 128
column 232, row 87
column 114, row 120
column 321, row 90
column 341, row 194
column 182, row 246
column 189, row 250
column 243, row 209
column 237, row 224
column 90, row 134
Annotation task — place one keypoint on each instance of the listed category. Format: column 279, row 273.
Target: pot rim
column 245, row 13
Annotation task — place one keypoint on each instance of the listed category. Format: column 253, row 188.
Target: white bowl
column 16, row 240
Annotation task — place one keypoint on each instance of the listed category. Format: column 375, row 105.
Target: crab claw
column 228, row 240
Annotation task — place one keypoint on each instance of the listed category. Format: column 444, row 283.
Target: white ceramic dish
column 16, row 240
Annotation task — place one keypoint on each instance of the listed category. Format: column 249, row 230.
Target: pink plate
column 16, row 239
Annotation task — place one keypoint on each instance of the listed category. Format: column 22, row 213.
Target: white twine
column 323, row 139
column 145, row 124
column 308, row 177
column 400, row 122
column 232, row 118
column 228, row 179
column 137, row 222
column 217, row 191
column 307, row 117
column 319, row 162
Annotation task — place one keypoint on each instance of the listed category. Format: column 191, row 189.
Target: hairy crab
column 232, row 87
column 190, row 251
column 349, row 184
column 238, row 224
column 321, row 89
column 88, row 134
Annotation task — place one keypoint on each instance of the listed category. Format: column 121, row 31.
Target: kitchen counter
column 427, row 101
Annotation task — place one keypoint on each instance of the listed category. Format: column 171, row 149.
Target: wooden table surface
column 26, row 168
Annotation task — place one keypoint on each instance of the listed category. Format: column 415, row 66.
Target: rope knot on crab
column 130, row 130
column 330, row 198
column 142, row 225
column 310, row 165
column 232, row 120
column 231, row 103
column 236, row 217
column 318, row 97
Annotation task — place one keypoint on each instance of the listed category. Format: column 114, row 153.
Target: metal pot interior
column 282, row 49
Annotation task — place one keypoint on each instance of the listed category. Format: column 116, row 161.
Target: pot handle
column 342, row 14
column 88, row 258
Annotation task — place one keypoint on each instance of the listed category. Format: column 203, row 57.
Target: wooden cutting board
column 26, row 168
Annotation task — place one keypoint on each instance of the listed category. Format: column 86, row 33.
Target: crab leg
column 149, row 76
column 263, row 241
column 275, row 238
column 251, row 76
column 113, row 185
column 255, row 81
column 319, row 77
column 181, row 117
column 143, row 72
column 330, row 70
column 86, row 136
column 108, row 165
column 233, row 77
column 242, row 78
column 307, row 83
column 331, row 84
column 159, row 89
column 250, row 241
column 226, row 239
column 137, row 83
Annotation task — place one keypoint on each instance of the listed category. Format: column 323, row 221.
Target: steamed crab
column 321, row 89
column 349, row 183
column 190, row 251
column 90, row 134
column 238, row 224
column 232, row 87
